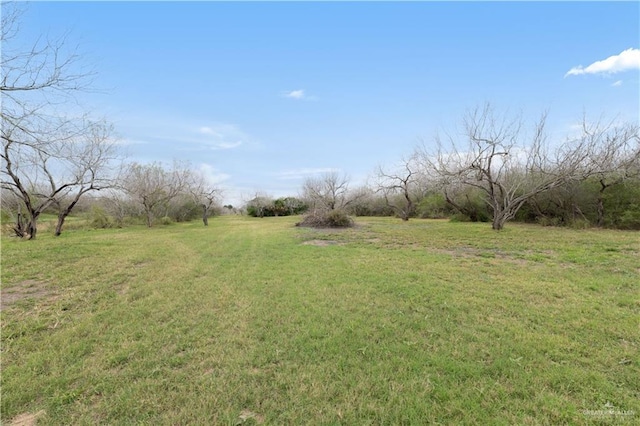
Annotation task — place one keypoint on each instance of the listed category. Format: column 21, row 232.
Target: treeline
column 137, row 193
column 501, row 169
column 498, row 168
column 578, row 205
column 264, row 206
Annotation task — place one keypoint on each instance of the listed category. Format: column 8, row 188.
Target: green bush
column 265, row 207
column 433, row 206
column 630, row 219
column 549, row 221
column 166, row 220
column 99, row 219
column 5, row 216
column 459, row 217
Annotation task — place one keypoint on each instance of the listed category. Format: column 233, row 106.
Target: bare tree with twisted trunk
column 507, row 162
column 46, row 155
column 401, row 182
column 615, row 156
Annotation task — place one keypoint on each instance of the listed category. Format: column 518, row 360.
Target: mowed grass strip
column 255, row 321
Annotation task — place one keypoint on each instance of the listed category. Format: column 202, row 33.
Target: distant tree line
column 264, row 206
column 498, row 169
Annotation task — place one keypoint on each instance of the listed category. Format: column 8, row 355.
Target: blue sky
column 263, row 95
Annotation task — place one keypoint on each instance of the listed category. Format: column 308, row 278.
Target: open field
column 254, row 321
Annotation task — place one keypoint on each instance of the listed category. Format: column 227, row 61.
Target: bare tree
column 400, row 187
column 328, row 192
column 48, row 65
column 507, row 163
column 90, row 162
column 205, row 194
column 45, row 155
column 153, row 186
column 615, row 156
column 55, row 166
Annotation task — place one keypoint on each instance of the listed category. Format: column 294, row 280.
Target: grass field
column 255, row 321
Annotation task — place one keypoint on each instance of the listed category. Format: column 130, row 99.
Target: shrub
column 549, row 221
column 630, row 219
column 433, row 206
column 326, row 219
column 99, row 219
column 459, row 217
column 338, row 219
column 166, row 220
column 265, row 207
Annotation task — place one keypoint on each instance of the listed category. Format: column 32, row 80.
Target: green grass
column 254, row 321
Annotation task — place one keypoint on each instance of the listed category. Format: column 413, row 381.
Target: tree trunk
column 61, row 218
column 63, row 215
column 205, row 216
column 149, row 219
column 407, row 213
column 32, row 228
column 600, row 209
column 600, row 204
column 19, row 227
column 500, row 216
column 498, row 222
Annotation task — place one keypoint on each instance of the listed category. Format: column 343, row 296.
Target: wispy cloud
column 205, row 130
column 302, row 173
column 212, row 174
column 295, row 94
column 617, row 83
column 229, row 145
column 298, row 95
column 221, row 136
column 627, row 60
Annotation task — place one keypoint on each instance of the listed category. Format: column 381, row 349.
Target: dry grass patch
column 27, row 289
column 26, row 419
column 321, row 243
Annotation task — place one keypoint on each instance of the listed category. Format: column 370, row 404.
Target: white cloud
column 228, row 145
column 295, row 94
column 205, row 130
column 211, row 174
column 299, row 95
column 221, row 136
column 302, row 173
column 627, row 60
column 617, row 83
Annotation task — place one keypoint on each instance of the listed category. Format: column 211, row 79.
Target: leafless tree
column 505, row 161
column 45, row 156
column 615, row 156
column 91, row 162
column 152, row 186
column 330, row 191
column 400, row 187
column 205, row 194
column 50, row 65
column 55, row 167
